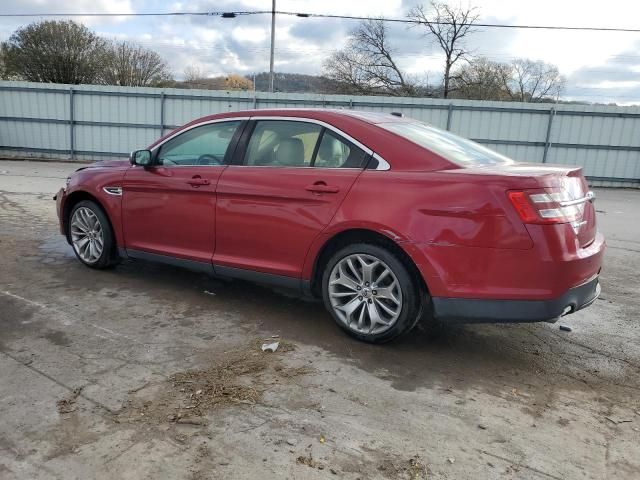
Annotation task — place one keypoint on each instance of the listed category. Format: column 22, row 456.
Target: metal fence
column 90, row 122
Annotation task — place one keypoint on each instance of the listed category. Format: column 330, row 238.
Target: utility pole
column 273, row 41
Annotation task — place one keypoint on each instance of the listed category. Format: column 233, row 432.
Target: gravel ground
column 148, row 371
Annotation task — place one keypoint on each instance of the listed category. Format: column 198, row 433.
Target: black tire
column 109, row 256
column 414, row 298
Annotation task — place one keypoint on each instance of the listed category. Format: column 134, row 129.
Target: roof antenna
column 397, row 114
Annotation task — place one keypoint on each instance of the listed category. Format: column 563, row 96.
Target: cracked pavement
column 471, row 401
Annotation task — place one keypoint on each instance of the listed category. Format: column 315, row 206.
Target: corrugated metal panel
column 35, row 120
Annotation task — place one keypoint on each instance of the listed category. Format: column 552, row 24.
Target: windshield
column 456, row 149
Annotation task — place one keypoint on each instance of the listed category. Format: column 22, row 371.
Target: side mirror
column 140, row 157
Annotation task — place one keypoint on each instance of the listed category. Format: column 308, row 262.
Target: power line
column 486, row 25
column 234, row 14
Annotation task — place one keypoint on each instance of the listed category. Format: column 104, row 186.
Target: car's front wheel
column 91, row 235
column 370, row 293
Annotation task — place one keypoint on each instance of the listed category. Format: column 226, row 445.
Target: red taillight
column 546, row 206
column 521, row 203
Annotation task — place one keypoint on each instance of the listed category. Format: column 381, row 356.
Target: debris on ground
column 322, row 439
column 209, row 293
column 191, row 421
column 309, row 461
column 412, row 469
column 451, row 460
column 270, row 347
column 617, row 421
column 240, row 376
column 565, row 328
column 68, row 403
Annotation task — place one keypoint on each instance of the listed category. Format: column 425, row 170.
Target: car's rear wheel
column 370, row 293
column 91, row 235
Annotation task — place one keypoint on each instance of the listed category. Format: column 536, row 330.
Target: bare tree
column 192, row 73
column 449, row 25
column 366, row 65
column 534, row 81
column 4, row 72
column 54, row 52
column 482, row 79
column 130, row 64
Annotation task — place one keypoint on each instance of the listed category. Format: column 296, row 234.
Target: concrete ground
column 148, row 371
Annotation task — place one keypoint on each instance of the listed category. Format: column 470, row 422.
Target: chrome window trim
column 382, row 163
column 317, row 122
column 208, row 122
column 296, row 166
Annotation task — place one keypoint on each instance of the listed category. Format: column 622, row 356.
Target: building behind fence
column 90, row 122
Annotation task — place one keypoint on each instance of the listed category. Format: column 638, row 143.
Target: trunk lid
column 563, row 196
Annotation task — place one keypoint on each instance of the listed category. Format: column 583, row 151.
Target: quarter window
column 335, row 152
column 205, row 145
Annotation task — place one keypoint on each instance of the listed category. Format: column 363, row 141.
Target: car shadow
column 444, row 356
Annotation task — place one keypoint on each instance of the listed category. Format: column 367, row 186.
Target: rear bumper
column 464, row 310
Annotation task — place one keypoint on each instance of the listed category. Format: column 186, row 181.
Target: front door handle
column 198, row 181
column 322, row 187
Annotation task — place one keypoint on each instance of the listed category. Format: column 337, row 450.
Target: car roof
column 315, row 113
column 359, row 125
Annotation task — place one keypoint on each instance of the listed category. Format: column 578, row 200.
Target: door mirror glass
column 140, row 157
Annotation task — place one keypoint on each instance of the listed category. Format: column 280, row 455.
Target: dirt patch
column 68, row 403
column 240, row 376
column 413, row 469
column 309, row 461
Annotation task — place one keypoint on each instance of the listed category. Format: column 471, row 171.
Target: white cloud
column 598, row 65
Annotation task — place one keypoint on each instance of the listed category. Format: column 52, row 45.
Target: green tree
column 54, row 52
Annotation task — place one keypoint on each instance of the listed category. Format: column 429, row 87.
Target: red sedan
column 385, row 218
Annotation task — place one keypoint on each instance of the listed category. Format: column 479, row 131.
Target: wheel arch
column 359, row 235
column 72, row 200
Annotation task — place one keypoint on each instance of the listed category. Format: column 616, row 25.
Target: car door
column 168, row 208
column 290, row 179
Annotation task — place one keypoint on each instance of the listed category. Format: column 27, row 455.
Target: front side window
column 282, row 143
column 204, row 145
column 461, row 151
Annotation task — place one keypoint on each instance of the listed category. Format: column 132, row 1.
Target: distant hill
column 293, row 83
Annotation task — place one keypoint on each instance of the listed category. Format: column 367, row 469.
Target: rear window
column 456, row 149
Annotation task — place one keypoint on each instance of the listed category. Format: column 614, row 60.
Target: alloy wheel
column 87, row 235
column 365, row 294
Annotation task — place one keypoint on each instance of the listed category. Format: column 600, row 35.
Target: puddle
column 54, row 251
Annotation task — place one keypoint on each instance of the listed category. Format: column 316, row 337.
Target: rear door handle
column 198, row 181
column 321, row 187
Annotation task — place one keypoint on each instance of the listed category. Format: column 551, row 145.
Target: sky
column 600, row 67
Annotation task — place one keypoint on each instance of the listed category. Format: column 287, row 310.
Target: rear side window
column 282, row 143
column 461, row 151
column 286, row 143
column 205, row 145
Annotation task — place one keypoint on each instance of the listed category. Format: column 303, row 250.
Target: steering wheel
column 208, row 159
